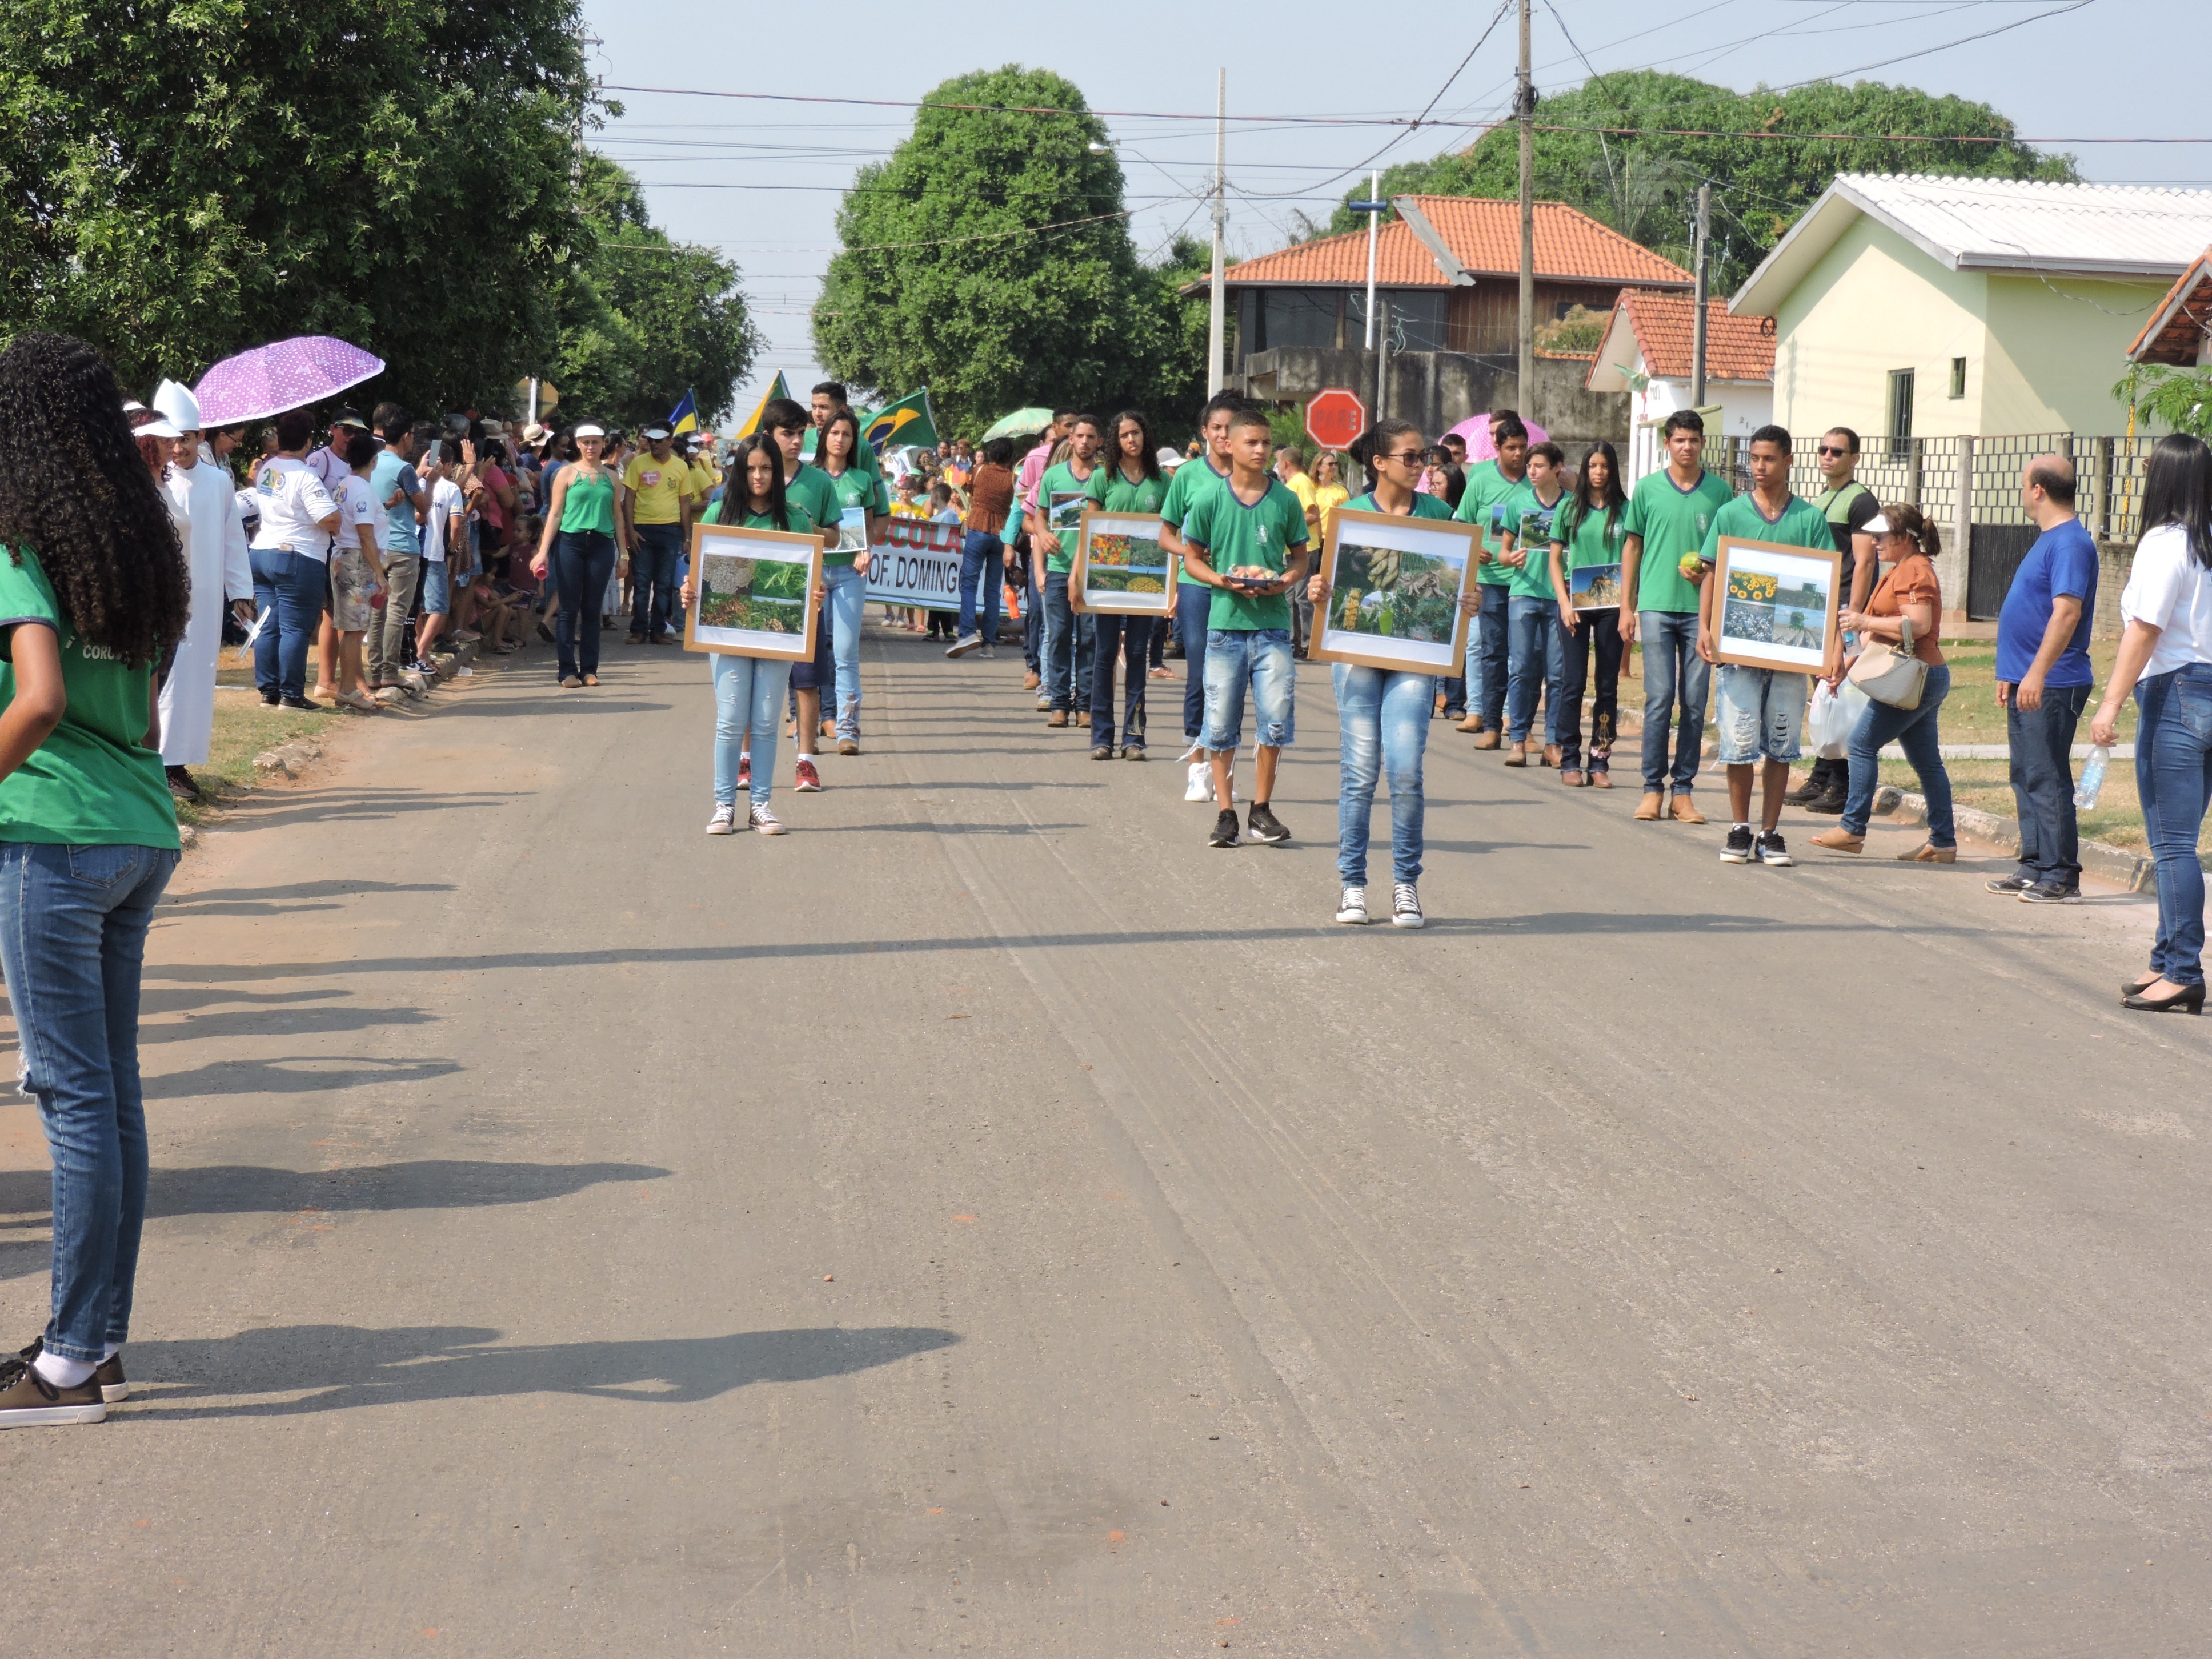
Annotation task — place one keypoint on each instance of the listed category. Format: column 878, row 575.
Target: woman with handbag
column 1903, row 673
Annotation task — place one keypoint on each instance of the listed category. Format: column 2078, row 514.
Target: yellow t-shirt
column 1326, row 498
column 660, row 488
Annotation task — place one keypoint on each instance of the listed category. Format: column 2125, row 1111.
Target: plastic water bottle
column 2092, row 777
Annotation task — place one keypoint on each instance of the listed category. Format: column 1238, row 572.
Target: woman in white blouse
column 2166, row 659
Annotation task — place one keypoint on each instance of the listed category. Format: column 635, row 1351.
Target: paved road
column 988, row 1221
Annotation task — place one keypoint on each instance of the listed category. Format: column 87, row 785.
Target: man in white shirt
column 214, row 552
column 288, row 559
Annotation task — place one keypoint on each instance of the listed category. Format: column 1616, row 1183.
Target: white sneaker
column 986, row 653
column 766, row 822
column 724, row 821
column 963, row 645
column 1406, row 906
column 1352, row 908
column 1201, row 786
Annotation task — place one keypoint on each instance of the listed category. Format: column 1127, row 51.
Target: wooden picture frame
column 1447, row 552
column 1769, row 623
column 1128, row 527
column 712, row 545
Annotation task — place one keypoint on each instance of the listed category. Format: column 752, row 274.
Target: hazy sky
column 760, row 180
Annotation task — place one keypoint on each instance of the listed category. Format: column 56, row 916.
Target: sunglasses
column 1410, row 457
column 1826, row 450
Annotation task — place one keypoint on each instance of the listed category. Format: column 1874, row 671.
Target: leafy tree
column 2158, row 394
column 645, row 318
column 183, row 179
column 947, row 278
column 1645, row 185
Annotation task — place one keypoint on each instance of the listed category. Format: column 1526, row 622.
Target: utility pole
column 1217, row 320
column 1524, row 104
column 1697, row 317
column 1373, row 204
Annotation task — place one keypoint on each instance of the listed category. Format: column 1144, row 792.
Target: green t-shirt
column 854, row 488
column 1801, row 525
column 1590, row 538
column 1487, row 488
column 1191, row 481
column 1234, row 534
column 802, row 523
column 1673, row 521
column 93, row 782
column 1111, row 492
column 1425, row 507
column 1059, row 502
column 815, row 492
column 1524, row 514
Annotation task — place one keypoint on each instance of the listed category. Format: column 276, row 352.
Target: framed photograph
column 1394, row 588
column 1119, row 567
column 1595, row 588
column 754, row 586
column 1775, row 606
column 853, row 530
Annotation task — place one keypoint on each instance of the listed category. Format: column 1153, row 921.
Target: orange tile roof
column 1485, row 235
column 1736, row 347
column 2180, row 320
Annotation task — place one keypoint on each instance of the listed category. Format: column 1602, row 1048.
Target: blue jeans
column 2173, row 778
column 1533, row 662
column 1487, row 656
column 846, row 607
column 73, row 924
column 1194, row 603
column 2041, row 741
column 748, row 698
column 582, row 561
column 1382, row 725
column 292, row 586
column 1069, row 643
column 653, row 578
column 1032, row 621
column 1671, row 664
column 1260, row 658
column 1107, row 633
column 1913, row 730
column 984, row 555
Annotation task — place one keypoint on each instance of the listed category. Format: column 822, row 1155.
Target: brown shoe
column 28, row 1401
column 849, row 745
column 1551, row 753
column 1058, row 717
column 1928, row 853
column 1647, row 810
column 1472, row 723
column 1487, row 739
column 108, row 1376
column 1030, row 682
column 1517, row 755
column 1686, row 811
column 1572, row 778
column 1600, row 779
column 1082, row 720
column 1840, row 839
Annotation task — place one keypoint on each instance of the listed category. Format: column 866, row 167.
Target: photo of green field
column 1393, row 594
column 767, row 596
column 1124, row 564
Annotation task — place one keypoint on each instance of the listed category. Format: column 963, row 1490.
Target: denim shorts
column 1260, row 657
column 437, row 589
column 351, row 583
column 1758, row 713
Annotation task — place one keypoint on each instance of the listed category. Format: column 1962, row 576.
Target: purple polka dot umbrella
column 287, row 374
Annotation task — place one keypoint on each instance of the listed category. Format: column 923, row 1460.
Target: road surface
column 988, row 1221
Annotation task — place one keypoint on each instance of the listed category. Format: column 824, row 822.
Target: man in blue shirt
column 2043, row 682
column 399, row 487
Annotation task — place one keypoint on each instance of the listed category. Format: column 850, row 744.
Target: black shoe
column 1773, row 850
column 2011, row 886
column 1830, row 802
column 1224, row 829
column 114, row 1387
column 28, row 1401
column 2189, row 1000
column 181, row 785
column 2052, row 892
column 1739, row 847
column 1807, row 793
column 1265, row 826
column 308, row 703
column 271, row 699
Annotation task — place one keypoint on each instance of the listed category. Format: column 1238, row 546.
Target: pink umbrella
column 288, row 374
column 1476, row 430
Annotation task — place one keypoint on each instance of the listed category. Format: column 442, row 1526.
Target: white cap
column 588, row 430
column 1877, row 526
column 655, row 434
column 178, row 406
column 131, row 405
column 161, row 428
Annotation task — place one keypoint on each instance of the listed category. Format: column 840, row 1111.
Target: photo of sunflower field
column 768, row 596
column 1394, row 594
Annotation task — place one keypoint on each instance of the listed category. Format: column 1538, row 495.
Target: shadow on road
column 286, row 901
column 345, row 1366
column 293, row 1074
column 436, row 1183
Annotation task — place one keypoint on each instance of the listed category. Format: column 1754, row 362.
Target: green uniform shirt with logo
column 1486, row 489
column 802, row 523
column 855, row 488
column 1111, row 492
column 93, row 782
column 1059, row 502
column 1672, row 521
column 1799, row 525
column 1525, row 515
column 1191, row 480
column 1425, row 507
column 1236, row 534
column 816, row 492
column 1590, row 538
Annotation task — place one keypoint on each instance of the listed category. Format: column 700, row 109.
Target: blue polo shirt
column 2062, row 564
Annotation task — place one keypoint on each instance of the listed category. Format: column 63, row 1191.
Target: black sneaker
column 1265, row 826
column 1807, row 793
column 181, row 785
column 28, row 1401
column 1224, row 829
column 2011, row 886
column 271, row 699
column 308, row 703
column 2052, row 892
column 1773, row 850
column 1831, row 802
column 1739, row 847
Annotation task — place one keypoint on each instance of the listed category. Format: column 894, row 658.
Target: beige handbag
column 1891, row 675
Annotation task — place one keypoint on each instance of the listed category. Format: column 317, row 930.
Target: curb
column 2131, row 871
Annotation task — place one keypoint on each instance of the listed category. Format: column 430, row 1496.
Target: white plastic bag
column 1823, row 733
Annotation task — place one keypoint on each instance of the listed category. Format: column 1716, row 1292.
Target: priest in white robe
column 201, row 491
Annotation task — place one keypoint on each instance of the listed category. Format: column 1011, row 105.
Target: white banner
column 918, row 564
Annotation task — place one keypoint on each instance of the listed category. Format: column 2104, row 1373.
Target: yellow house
column 1929, row 307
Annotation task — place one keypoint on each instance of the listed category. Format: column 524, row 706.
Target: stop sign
column 1335, row 417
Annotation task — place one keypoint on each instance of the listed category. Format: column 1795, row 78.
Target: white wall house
column 1646, row 353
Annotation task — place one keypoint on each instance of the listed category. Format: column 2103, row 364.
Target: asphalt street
column 988, row 1221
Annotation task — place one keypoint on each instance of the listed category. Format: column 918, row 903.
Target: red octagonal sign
column 1335, row 417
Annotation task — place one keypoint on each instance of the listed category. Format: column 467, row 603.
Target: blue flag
column 684, row 417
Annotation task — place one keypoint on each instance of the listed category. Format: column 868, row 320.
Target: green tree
column 646, row 319
column 183, row 179
column 1645, row 185
column 2160, row 395
column 947, row 277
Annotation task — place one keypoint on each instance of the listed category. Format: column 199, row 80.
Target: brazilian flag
column 908, row 421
